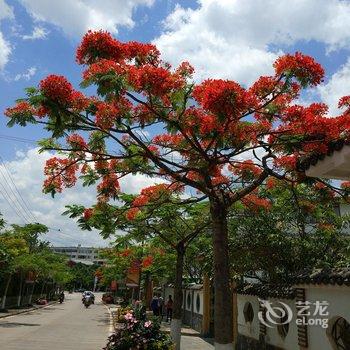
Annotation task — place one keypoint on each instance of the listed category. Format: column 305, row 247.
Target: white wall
column 290, row 342
column 338, row 298
column 170, row 291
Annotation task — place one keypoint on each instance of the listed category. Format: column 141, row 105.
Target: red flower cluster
column 22, row 108
column 185, row 70
column 88, row 212
column 102, row 67
column 255, row 203
column 168, row 140
column 76, row 141
column 304, row 68
column 201, row 122
column 109, row 187
column 288, row 162
column 132, row 213
column 98, row 45
column 60, row 173
column 151, row 194
column 271, row 183
column 106, row 114
column 345, row 185
column 156, row 80
column 143, row 53
column 57, row 88
column 345, row 102
column 126, row 252
column 324, row 190
column 223, row 97
column 147, row 261
column 79, row 102
column 246, row 169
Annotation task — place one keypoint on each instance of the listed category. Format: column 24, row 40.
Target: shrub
column 139, row 335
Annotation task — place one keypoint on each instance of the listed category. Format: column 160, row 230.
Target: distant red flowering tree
column 149, row 118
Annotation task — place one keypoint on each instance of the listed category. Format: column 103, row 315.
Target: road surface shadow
column 18, row 324
column 104, row 320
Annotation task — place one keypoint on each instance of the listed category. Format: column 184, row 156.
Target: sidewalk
column 190, row 338
column 185, row 330
column 195, row 343
column 12, row 312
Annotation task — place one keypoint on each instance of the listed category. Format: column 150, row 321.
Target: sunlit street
column 68, row 326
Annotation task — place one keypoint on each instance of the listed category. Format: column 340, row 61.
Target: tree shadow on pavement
column 18, row 324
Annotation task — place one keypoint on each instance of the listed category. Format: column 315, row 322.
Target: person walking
column 169, row 309
column 155, row 306
column 161, row 307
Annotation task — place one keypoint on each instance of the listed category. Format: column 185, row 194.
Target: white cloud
column 37, row 33
column 27, row 173
column 6, row 12
column 233, row 38
column 5, row 51
column 30, row 72
column 76, row 17
column 337, row 87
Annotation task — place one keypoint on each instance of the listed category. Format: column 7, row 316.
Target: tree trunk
column 3, row 302
column 42, row 289
column 175, row 328
column 31, row 294
column 222, row 291
column 20, row 290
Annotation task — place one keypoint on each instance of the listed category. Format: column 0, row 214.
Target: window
column 341, row 334
column 283, row 327
column 189, row 300
column 248, row 312
column 198, row 303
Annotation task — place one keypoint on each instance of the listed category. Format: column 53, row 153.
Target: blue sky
column 231, row 39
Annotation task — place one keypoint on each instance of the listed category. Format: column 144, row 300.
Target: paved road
column 67, row 326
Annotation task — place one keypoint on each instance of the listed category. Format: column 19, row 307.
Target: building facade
column 79, row 254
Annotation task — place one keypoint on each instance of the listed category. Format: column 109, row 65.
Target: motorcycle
column 87, row 302
column 61, row 298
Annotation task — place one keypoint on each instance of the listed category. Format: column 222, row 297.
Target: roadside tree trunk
column 3, row 302
column 223, row 317
column 20, row 289
column 176, row 322
column 42, row 289
column 31, row 294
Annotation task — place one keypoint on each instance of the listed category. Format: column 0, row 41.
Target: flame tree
column 214, row 140
column 161, row 218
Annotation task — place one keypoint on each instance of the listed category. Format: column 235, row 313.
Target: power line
column 6, row 196
column 12, row 196
column 15, row 138
column 23, row 204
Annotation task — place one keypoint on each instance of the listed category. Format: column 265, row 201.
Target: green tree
column 299, row 230
column 163, row 218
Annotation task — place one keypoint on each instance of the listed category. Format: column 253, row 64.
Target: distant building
column 79, row 254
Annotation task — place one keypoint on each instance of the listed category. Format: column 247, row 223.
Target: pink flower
column 129, row 316
column 148, row 324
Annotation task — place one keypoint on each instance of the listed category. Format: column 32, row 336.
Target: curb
column 111, row 326
column 29, row 310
